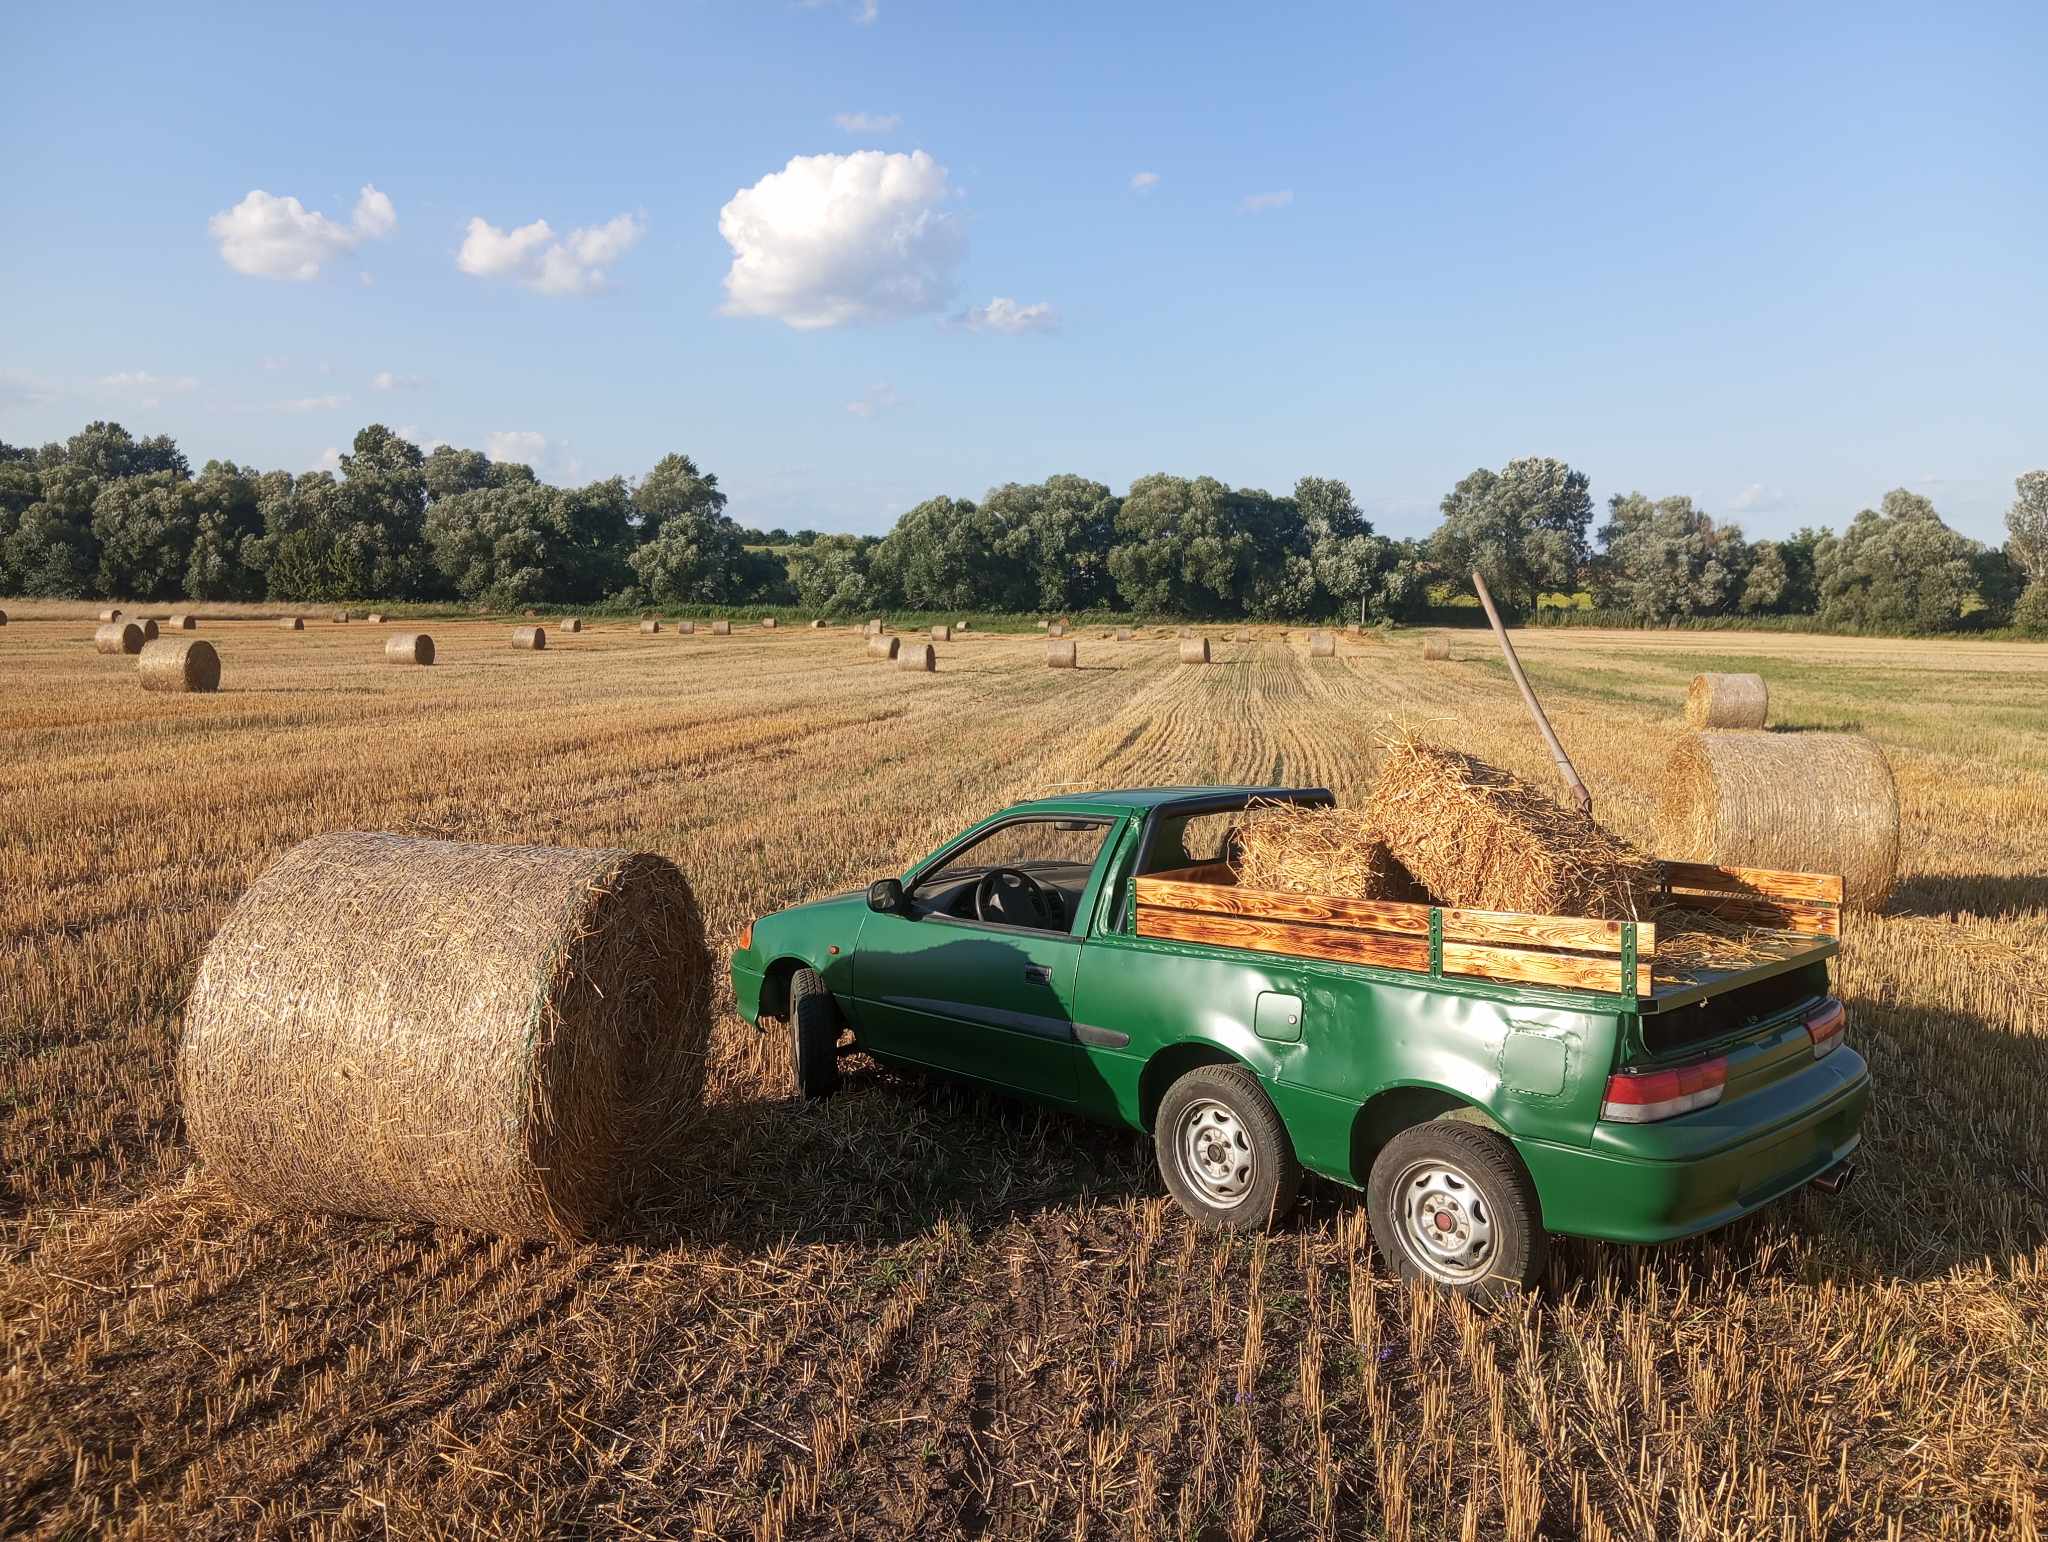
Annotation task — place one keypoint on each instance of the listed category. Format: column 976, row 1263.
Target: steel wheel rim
column 1215, row 1153
column 1446, row 1222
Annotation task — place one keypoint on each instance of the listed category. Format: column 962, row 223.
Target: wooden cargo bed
column 1786, row 919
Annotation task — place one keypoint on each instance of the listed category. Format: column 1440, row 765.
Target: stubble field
column 913, row 1311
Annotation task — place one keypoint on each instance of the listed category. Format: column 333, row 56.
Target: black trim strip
column 1055, row 1028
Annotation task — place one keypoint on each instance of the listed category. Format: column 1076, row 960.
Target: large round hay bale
column 179, row 664
column 1435, row 648
column 655, row 626
column 111, row 613
column 150, row 632
column 182, row 623
column 486, row 1036
column 942, row 634
column 921, row 657
column 1727, row 701
column 571, row 624
column 118, row 637
column 1322, row 645
column 1805, row 803
column 1194, row 650
column 721, row 629
column 880, row 647
column 409, row 648
column 1062, row 655
column 291, row 624
column 530, row 639
column 1056, row 629
column 768, row 621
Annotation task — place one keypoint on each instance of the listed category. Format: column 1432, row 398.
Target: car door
column 978, row 998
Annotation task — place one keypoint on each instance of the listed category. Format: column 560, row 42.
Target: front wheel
column 814, row 1025
column 1451, row 1204
column 1223, row 1151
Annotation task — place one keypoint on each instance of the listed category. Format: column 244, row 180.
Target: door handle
column 1037, row 974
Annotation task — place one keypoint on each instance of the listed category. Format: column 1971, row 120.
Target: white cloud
column 1254, row 202
column 389, row 380
column 275, row 361
column 1003, row 314
column 532, row 255
column 521, row 445
column 22, row 388
column 1757, row 499
column 414, row 434
column 330, row 460
column 874, row 401
column 311, row 404
column 832, row 239
column 1144, row 181
column 869, row 122
column 864, row 11
column 268, row 237
column 154, row 385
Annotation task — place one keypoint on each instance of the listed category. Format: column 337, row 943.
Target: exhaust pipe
column 1836, row 1178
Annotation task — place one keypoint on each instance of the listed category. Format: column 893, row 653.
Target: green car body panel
column 1101, row 1021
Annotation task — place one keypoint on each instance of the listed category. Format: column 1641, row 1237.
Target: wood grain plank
column 1514, row 929
column 1349, row 947
column 1823, row 888
column 1214, row 873
column 1372, row 915
column 1773, row 915
column 1531, row 968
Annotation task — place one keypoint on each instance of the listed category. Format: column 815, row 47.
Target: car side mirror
column 886, row 895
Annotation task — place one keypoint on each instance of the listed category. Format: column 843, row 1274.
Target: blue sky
column 1779, row 258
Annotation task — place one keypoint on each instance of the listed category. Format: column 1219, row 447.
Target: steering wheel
column 1008, row 881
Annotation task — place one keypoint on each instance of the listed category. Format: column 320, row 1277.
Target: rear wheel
column 1451, row 1204
column 814, row 1025
column 1223, row 1151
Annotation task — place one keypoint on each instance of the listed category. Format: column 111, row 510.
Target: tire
column 1451, row 1205
column 814, row 1025
column 1223, row 1152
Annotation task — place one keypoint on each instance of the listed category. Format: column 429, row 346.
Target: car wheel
column 814, row 1025
column 1451, row 1204
column 1223, row 1151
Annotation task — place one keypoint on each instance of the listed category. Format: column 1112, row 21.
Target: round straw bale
column 409, row 648
column 880, row 647
column 1351, row 627
column 816, row 622
column 1810, row 803
column 571, row 623
column 1194, row 650
column 179, row 664
column 375, row 618
column 686, row 628
column 149, row 629
column 721, row 629
column 652, row 626
column 1056, row 629
column 768, row 621
column 1062, row 655
column 118, row 637
column 1321, row 645
column 1045, row 626
column 182, row 623
column 1435, row 648
column 1727, row 701
column 1123, row 634
column 3, row 618
column 111, row 613
column 485, row 1036
column 942, row 634
column 873, row 628
column 341, row 616
column 962, row 626
column 291, row 624
column 918, row 656
column 530, row 639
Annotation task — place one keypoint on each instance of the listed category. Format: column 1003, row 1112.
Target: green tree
column 1896, row 568
column 109, row 452
column 830, row 575
column 1523, row 527
column 2026, row 524
column 52, row 551
column 945, row 554
column 20, row 487
column 491, row 543
column 695, row 557
column 145, row 527
column 675, row 488
column 1184, row 547
column 448, row 471
column 1669, row 561
column 2030, row 615
column 230, row 528
column 1061, row 530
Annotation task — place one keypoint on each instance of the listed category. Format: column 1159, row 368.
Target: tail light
column 1825, row 1027
column 746, row 936
column 1643, row 1097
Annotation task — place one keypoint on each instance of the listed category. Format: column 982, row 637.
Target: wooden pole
column 1564, row 761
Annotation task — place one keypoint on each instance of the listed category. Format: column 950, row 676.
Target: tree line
column 107, row 514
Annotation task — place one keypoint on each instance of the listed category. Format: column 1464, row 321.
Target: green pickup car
column 1485, row 1079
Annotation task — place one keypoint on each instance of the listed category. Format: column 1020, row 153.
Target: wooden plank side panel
column 1534, row 931
column 1821, row 888
column 1214, row 873
column 1375, row 915
column 1349, row 947
column 1773, row 915
column 1530, row 968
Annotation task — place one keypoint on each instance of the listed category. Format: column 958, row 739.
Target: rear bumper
column 1658, row 1182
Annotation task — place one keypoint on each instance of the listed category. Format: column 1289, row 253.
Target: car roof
column 1143, row 800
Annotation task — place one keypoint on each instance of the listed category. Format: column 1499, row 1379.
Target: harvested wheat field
column 915, row 1311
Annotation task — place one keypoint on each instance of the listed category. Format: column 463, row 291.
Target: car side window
column 1063, row 850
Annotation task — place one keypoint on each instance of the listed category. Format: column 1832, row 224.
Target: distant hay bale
column 1813, row 803
column 721, row 629
column 768, row 621
column 1056, row 629
column 341, row 616
column 149, row 629
column 654, row 626
column 111, row 613
column 880, row 647
column 1727, row 701
column 686, row 628
column 529, row 612
column 1045, row 626
column 942, row 634
column 1435, row 649
column 1062, row 655
column 375, row 618
column 530, row 639
column 483, row 1036
column 1301, row 848
column 571, row 624
column 1480, row 838
column 962, row 626
column 873, row 628
column 3, row 618
column 182, row 623
column 1123, row 634
column 118, row 637
column 291, row 624
column 918, row 656
column 816, row 623
column 409, row 648
column 1322, row 645
column 1351, row 627
column 179, row 664
column 1194, row 650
